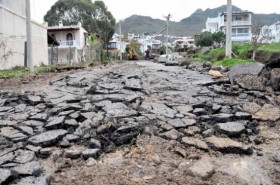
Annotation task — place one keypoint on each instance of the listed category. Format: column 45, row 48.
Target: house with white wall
column 241, row 25
column 72, row 41
column 184, row 42
column 271, row 33
column 13, row 32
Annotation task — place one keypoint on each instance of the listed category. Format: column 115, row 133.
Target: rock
column 176, row 123
column 91, row 162
column 243, row 96
column 94, row 143
column 34, row 100
column 245, row 69
column 32, row 181
column 24, row 156
column 47, row 138
column 94, row 153
column 189, row 122
column 222, row 117
column 191, row 131
column 184, row 109
column 172, row 134
column 5, row 174
column 227, row 145
column 159, row 109
column 185, row 63
column 215, row 74
column 5, row 109
column 33, row 148
column 199, row 111
column 45, row 152
column 71, row 123
column 166, row 127
column 275, row 79
column 73, row 153
column 12, row 134
column 208, row 133
column 26, row 130
column 39, row 117
column 250, row 82
column 216, row 108
column 243, row 115
column 251, row 107
column 268, row 112
column 55, row 122
column 9, row 157
column 66, row 113
column 20, row 108
column 231, row 128
column 202, row 168
column 33, row 123
column 64, row 143
column 197, row 143
column 32, row 168
column 156, row 159
column 72, row 137
column 133, row 84
column 207, row 64
column 118, row 110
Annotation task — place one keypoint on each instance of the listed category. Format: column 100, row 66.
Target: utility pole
column 229, row 29
column 28, row 37
column 120, row 40
column 167, row 24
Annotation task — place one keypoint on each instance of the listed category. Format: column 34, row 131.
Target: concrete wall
column 13, row 30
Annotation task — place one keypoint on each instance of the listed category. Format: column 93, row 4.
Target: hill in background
column 188, row 26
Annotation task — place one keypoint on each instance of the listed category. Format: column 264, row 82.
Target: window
column 69, row 39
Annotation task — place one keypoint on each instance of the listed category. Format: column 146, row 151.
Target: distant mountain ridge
column 188, row 26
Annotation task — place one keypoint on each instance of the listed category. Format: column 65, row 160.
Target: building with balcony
column 13, row 33
column 184, row 43
column 271, row 33
column 72, row 41
column 241, row 25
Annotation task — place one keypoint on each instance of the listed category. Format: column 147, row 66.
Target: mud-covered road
column 138, row 123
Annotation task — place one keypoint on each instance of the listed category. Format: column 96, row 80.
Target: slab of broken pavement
column 214, row 123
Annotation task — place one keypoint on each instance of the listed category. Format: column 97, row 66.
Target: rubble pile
column 90, row 113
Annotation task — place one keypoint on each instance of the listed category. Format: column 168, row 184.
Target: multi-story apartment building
column 241, row 25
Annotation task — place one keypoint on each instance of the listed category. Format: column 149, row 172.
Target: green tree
column 219, row 37
column 95, row 17
column 204, row 39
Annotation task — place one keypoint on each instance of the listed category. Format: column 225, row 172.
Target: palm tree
column 229, row 29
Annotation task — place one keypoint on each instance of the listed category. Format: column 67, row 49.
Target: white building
column 71, row 39
column 241, row 25
column 271, row 33
column 13, row 31
column 184, row 42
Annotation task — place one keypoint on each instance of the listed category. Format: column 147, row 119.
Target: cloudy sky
column 179, row 9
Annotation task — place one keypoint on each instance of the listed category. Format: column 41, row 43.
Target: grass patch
column 14, row 73
column 242, row 50
column 229, row 62
column 271, row 48
column 18, row 72
column 213, row 55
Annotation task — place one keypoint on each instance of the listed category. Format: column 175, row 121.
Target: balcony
column 69, row 43
column 237, row 23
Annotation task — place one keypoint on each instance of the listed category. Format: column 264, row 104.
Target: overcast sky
column 179, row 9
